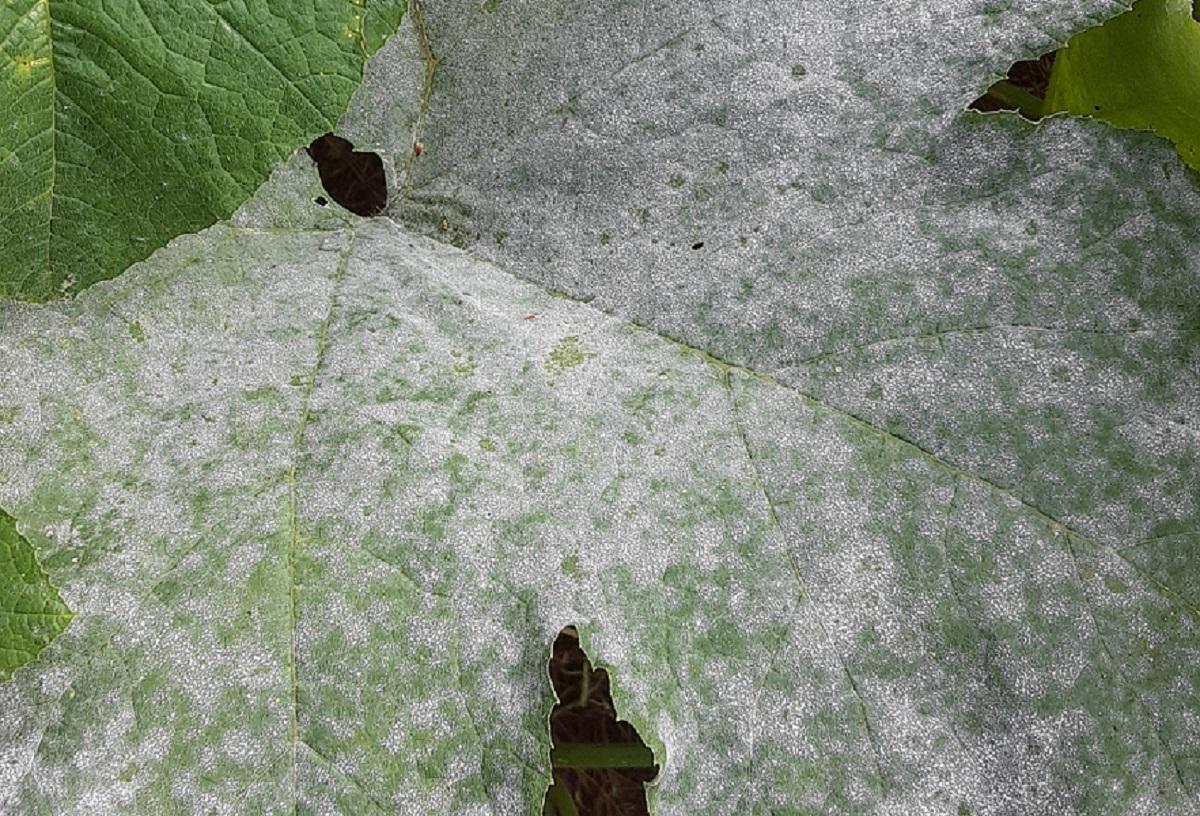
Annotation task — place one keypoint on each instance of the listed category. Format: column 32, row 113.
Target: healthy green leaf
column 31, row 613
column 1140, row 70
column 886, row 507
column 125, row 124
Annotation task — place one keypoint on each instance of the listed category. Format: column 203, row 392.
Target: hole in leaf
column 320, row 201
column 698, row 245
column 354, row 179
column 601, row 765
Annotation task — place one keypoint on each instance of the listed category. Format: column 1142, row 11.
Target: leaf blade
column 137, row 123
column 32, row 614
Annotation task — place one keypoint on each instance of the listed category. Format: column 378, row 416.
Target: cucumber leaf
column 1139, row 70
column 31, row 612
column 126, row 124
column 858, row 439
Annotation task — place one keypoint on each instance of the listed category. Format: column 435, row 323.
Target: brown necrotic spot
column 354, row 179
column 601, row 765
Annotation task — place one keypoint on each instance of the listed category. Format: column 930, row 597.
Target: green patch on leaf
column 566, row 355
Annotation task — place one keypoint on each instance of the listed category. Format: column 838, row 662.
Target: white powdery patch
column 591, row 156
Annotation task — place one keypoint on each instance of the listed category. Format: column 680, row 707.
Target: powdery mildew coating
column 338, row 586
column 322, row 520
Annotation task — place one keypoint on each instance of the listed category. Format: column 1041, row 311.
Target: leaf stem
column 561, row 799
column 606, row 755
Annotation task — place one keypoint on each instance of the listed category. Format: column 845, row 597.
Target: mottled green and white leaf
column 885, row 505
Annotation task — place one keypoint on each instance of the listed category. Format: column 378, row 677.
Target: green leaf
column 1140, row 70
column 126, row 124
column 883, row 499
column 31, row 613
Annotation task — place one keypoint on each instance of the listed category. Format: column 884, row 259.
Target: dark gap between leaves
column 601, row 765
column 1023, row 91
column 354, row 179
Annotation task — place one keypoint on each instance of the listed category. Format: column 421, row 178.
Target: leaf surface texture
column 880, row 501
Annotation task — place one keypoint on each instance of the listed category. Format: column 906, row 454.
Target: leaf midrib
column 293, row 543
column 52, row 189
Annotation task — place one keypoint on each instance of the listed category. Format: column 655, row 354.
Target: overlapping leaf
column 1139, row 70
column 31, row 613
column 125, row 124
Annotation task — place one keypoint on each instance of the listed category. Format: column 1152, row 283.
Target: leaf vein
column 293, row 531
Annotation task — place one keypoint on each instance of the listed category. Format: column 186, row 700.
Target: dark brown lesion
column 585, row 731
column 354, row 179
